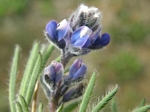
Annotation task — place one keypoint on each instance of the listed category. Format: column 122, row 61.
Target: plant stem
column 35, row 97
column 52, row 105
column 65, row 58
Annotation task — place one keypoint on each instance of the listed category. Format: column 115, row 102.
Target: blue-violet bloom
column 76, row 73
column 86, row 28
column 78, row 35
column 52, row 75
column 57, row 32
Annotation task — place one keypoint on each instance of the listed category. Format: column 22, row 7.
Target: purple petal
column 74, row 67
column 103, row 40
column 58, row 71
column 62, row 29
column 51, row 29
column 79, row 33
column 87, row 44
column 50, row 72
column 83, row 41
column 81, row 72
column 97, row 40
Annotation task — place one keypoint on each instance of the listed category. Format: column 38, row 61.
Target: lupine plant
column 75, row 36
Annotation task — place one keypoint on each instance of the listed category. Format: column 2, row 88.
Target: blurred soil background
column 125, row 61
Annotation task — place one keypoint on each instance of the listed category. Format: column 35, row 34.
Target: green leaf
column 18, row 107
column 46, row 55
column 142, row 103
column 142, row 109
column 87, row 94
column 40, row 108
column 58, row 59
column 43, row 49
column 71, row 106
column 105, row 100
column 34, row 77
column 113, row 105
column 23, row 104
column 29, row 69
column 66, row 70
column 13, row 77
column 60, row 108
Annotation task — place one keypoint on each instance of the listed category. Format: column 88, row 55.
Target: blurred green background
column 125, row 61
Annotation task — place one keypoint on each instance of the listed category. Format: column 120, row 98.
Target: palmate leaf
column 87, row 94
column 105, row 100
column 13, row 76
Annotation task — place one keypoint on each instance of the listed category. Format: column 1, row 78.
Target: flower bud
column 55, row 32
column 85, row 16
column 74, row 93
column 77, row 72
column 52, row 75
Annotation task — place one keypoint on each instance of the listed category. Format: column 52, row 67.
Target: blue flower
column 56, row 32
column 84, row 39
column 76, row 73
column 86, row 28
column 78, row 35
column 57, row 85
column 52, row 75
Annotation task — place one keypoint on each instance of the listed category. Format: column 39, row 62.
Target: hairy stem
column 65, row 58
